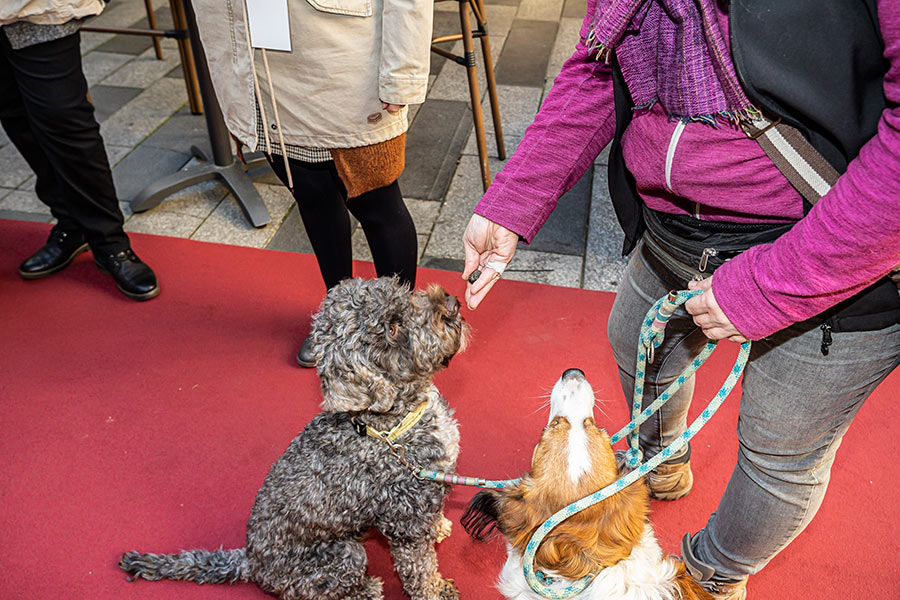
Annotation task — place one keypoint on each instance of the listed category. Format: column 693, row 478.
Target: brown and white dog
column 612, row 540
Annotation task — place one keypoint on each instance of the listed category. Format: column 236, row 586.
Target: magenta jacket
column 849, row 240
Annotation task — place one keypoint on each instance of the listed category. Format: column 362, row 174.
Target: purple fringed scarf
column 672, row 51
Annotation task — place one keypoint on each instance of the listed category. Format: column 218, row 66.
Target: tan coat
column 334, row 80
column 48, row 12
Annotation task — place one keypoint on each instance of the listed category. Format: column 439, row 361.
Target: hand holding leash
column 489, row 249
column 709, row 316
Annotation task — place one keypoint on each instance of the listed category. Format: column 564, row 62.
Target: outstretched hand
column 708, row 316
column 486, row 243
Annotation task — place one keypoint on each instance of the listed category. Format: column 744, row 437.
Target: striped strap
column 801, row 164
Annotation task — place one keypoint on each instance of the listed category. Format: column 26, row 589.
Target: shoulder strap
column 795, row 157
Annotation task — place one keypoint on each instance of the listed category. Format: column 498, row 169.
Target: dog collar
column 402, row 427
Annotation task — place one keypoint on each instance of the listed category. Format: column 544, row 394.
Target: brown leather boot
column 670, row 482
column 704, row 574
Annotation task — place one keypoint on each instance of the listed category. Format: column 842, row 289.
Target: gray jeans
column 795, row 408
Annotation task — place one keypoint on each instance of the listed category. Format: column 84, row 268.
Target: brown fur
column 688, row 586
column 597, row 537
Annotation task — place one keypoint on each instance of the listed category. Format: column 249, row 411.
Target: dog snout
column 452, row 306
column 576, row 374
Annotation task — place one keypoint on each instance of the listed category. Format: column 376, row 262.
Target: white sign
column 270, row 27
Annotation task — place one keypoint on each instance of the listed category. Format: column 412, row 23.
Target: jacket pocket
column 356, row 8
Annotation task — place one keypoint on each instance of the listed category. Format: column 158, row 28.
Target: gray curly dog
column 377, row 348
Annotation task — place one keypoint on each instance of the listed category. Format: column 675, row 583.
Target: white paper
column 270, row 27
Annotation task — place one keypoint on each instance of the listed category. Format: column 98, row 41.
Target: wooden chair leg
column 469, row 55
column 481, row 18
column 151, row 20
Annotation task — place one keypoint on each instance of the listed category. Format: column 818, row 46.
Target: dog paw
column 444, row 527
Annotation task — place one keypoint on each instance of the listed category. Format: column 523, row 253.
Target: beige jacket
column 331, row 85
column 48, row 12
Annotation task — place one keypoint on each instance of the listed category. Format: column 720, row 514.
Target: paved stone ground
column 148, row 129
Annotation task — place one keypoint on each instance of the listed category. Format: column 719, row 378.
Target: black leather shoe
column 306, row 358
column 60, row 250
column 133, row 277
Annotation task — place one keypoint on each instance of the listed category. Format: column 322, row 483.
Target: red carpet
column 150, row 426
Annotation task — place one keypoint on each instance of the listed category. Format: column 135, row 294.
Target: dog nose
column 452, row 305
column 572, row 374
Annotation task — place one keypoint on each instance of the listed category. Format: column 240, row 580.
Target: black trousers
column 322, row 200
column 45, row 111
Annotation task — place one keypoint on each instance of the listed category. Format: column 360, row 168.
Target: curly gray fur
column 202, row 566
column 377, row 348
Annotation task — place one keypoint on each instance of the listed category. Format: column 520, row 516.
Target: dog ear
column 482, row 514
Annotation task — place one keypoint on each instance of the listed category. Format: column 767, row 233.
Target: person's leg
column 321, row 201
column 639, row 289
column 796, row 406
column 390, row 232
column 47, row 115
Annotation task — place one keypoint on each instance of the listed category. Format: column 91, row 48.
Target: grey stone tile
column 563, row 47
column 108, row 99
column 116, row 154
column 228, row 225
column 143, row 166
column 444, row 264
column 180, row 132
column 291, row 235
column 545, row 267
column 565, row 232
column 518, row 105
column 13, row 169
column 126, row 44
column 424, row 213
column 445, row 6
column 433, row 144
column 176, row 72
column 526, row 53
column 99, row 64
column 510, row 142
column 163, row 223
column 90, row 40
column 25, row 216
column 143, row 70
column 575, row 9
column 24, row 201
column 445, row 23
column 361, row 245
column 603, row 264
column 3, row 139
column 120, row 14
column 140, row 117
column 197, row 201
column 464, row 193
column 4, row 191
column 540, row 10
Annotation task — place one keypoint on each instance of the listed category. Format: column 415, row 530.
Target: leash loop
column 651, row 337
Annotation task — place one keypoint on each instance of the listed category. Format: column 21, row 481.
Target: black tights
column 323, row 203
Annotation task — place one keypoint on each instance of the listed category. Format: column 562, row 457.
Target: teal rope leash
column 651, row 337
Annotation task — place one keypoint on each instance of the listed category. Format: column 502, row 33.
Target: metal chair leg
column 151, row 20
column 469, row 55
column 481, row 18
